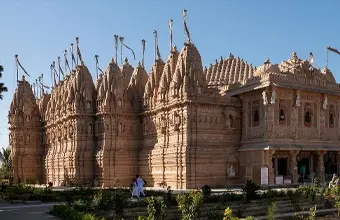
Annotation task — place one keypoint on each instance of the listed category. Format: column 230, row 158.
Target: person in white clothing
column 140, row 185
column 134, row 189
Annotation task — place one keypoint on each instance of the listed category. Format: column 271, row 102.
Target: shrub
column 156, row 208
column 190, row 205
column 337, row 205
column 250, row 190
column 206, row 191
column 66, row 212
column 215, row 214
column 271, row 211
column 228, row 215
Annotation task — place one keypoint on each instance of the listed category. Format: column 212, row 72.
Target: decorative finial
column 294, row 54
column 231, row 56
column 126, row 61
column 139, row 64
column 267, row 61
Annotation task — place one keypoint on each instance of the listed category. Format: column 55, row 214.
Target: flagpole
column 116, row 47
column 121, row 49
column 155, row 35
column 96, row 58
column 143, row 50
column 326, row 58
column 52, row 76
column 16, row 61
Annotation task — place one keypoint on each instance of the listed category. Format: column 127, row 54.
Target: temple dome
column 267, row 67
column 189, row 69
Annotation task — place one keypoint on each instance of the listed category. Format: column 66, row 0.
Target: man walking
column 140, row 185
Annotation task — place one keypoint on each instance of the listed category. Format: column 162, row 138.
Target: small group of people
column 137, row 187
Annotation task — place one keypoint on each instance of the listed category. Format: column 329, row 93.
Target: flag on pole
column 72, row 55
column 170, row 27
column 18, row 62
column 66, row 61
column 121, row 41
column 78, row 51
column 156, row 45
column 143, row 51
column 60, row 69
column 116, row 47
column 184, row 14
column 333, row 50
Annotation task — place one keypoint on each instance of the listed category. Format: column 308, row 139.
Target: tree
column 6, row 163
column 3, row 88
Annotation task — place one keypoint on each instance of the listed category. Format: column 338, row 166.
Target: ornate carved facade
column 180, row 124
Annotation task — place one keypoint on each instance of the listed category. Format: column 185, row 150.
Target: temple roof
column 228, row 71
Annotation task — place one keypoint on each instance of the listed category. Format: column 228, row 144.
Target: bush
column 156, row 208
column 250, row 190
column 271, row 211
column 66, row 212
column 206, row 191
column 190, row 205
column 215, row 214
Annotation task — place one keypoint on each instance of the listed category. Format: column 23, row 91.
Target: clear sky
column 38, row 31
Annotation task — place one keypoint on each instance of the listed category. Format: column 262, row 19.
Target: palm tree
column 3, row 88
column 6, row 163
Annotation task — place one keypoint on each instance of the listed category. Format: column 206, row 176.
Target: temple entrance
column 303, row 164
column 282, row 166
column 330, row 161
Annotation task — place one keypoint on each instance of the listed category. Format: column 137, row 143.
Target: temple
column 179, row 125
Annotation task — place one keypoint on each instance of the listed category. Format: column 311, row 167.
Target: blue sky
column 40, row 30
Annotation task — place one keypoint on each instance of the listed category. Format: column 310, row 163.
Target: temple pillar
column 321, row 166
column 293, row 166
column 271, row 175
column 338, row 163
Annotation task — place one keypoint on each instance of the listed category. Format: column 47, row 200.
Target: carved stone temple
column 179, row 124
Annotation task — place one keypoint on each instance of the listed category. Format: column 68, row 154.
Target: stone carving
column 264, row 98
column 325, row 103
column 231, row 171
column 297, row 101
column 273, row 98
column 177, row 122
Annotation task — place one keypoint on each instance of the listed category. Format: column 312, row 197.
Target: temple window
column 256, row 118
column 89, row 104
column 231, row 121
column 282, row 117
column 308, row 118
column 331, row 120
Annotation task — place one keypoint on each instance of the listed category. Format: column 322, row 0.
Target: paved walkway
column 26, row 212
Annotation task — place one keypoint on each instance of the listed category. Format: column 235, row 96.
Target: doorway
column 304, row 162
column 282, row 164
